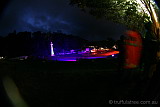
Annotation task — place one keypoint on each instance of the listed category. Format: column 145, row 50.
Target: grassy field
column 89, row 83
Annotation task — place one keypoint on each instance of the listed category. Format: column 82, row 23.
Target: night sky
column 55, row 15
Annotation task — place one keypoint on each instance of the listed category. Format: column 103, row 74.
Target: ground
column 91, row 83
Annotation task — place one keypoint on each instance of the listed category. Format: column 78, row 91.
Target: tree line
column 38, row 43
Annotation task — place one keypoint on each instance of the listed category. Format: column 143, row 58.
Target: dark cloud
column 53, row 15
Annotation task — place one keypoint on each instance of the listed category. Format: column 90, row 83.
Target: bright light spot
column 101, row 48
column 2, row 57
column 112, row 55
column 107, row 49
column 93, row 50
column 114, row 47
column 87, row 50
column 52, row 52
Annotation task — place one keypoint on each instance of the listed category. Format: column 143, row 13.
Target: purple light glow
column 68, row 60
column 61, row 58
column 72, row 57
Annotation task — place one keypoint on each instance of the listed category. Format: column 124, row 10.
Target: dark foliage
column 37, row 43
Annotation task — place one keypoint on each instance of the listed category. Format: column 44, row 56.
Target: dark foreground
column 90, row 83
